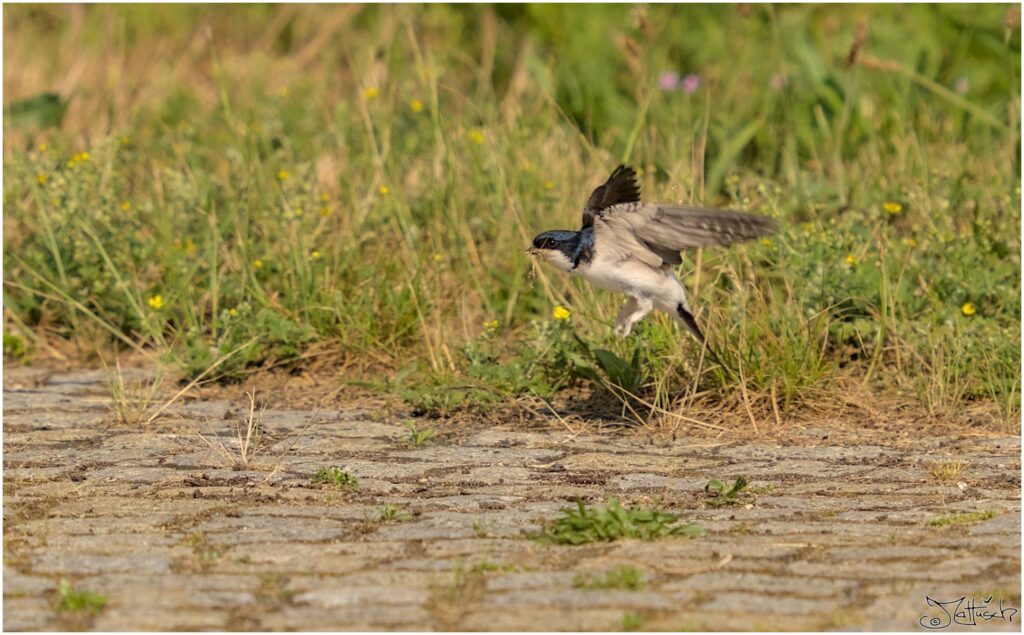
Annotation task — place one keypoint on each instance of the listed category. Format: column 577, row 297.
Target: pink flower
column 691, row 83
column 778, row 82
column 668, row 81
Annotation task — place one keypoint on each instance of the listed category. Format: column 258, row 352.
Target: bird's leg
column 632, row 312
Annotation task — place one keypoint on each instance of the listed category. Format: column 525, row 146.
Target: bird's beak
column 533, row 251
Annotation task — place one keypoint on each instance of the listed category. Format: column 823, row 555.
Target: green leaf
column 45, row 110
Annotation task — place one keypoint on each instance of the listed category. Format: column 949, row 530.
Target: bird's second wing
column 673, row 228
column 621, row 187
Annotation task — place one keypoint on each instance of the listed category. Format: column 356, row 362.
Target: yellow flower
column 325, row 211
column 850, row 260
column 125, row 141
column 43, row 147
column 808, row 228
column 298, row 212
column 561, row 313
column 767, row 242
column 370, row 93
column 476, row 136
column 190, row 247
column 416, row 105
column 315, row 255
column 968, row 309
column 232, row 312
column 257, row 264
column 491, row 326
column 126, row 206
column 438, row 257
column 282, row 91
column 892, row 207
column 325, row 198
column 283, row 175
column 41, row 178
column 910, row 242
column 155, row 302
column 384, row 190
column 549, row 185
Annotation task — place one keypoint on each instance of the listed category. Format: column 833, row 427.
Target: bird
column 632, row 247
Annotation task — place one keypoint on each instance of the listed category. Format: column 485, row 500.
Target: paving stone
column 176, row 538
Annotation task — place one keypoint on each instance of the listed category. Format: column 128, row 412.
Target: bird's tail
column 686, row 318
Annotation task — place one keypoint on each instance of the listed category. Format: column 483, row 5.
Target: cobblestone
column 835, row 536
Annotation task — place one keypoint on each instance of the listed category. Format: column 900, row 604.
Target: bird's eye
column 549, row 243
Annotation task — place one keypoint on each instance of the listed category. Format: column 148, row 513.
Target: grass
column 249, row 438
column 362, row 185
column 130, row 400
column 74, row 600
column 947, row 471
column 392, row 513
column 416, row 436
column 583, row 525
column 965, row 518
column 623, row 577
column 337, row 477
column 722, row 494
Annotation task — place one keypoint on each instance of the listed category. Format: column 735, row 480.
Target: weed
column 130, row 400
column 451, row 602
column 622, row 577
column 417, row 437
column 947, row 471
column 966, row 518
column 249, row 437
column 205, row 553
column 721, row 494
column 337, row 477
column 583, row 525
column 632, row 621
column 71, row 599
column 392, row 514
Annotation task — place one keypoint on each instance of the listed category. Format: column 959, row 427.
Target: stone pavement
column 156, row 520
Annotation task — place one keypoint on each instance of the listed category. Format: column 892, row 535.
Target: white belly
column 635, row 278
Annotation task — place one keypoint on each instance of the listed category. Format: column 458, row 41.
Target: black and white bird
column 632, row 247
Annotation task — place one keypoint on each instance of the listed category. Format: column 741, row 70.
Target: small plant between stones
column 71, row 599
column 623, row 577
column 584, row 525
column 632, row 621
column 967, row 518
column 393, row 514
column 947, row 471
column 334, row 476
column 721, row 494
column 418, row 437
column 130, row 400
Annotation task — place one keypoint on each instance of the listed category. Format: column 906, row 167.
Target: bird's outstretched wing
column 621, row 187
column 665, row 230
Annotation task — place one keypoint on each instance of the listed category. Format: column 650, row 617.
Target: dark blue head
column 564, row 249
column 564, row 241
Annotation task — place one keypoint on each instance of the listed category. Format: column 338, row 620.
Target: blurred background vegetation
column 240, row 187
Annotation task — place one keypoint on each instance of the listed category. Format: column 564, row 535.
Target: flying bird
column 632, row 247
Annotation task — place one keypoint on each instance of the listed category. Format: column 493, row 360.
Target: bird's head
column 556, row 248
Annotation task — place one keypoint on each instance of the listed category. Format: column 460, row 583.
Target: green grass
column 622, row 577
column 965, row 518
column 416, row 436
column 74, row 600
column 722, row 494
column 365, row 181
column 336, row 477
column 390, row 514
column 582, row 525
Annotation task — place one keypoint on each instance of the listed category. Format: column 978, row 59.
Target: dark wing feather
column 621, row 187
